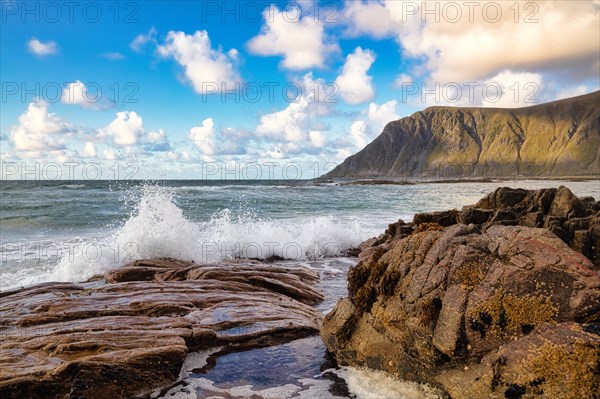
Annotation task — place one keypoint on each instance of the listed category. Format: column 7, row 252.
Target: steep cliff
column 560, row 138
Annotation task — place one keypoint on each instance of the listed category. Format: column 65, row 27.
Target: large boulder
column 486, row 310
column 128, row 334
column 574, row 220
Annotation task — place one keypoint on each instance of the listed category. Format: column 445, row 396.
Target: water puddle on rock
column 300, row 369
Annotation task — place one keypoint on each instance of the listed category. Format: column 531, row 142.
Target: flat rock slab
column 127, row 335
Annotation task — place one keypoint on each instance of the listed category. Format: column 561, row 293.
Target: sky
column 261, row 90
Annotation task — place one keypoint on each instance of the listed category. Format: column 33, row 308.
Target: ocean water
column 71, row 231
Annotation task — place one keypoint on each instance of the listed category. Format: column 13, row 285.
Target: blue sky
column 142, row 81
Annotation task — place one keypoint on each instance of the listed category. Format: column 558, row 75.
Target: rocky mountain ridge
column 561, row 138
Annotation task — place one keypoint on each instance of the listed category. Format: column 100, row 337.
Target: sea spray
column 157, row 227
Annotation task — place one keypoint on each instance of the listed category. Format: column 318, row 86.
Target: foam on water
column 361, row 383
column 371, row 384
column 159, row 228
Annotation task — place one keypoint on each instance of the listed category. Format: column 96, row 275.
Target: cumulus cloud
column 354, row 83
column 202, row 65
column 358, row 133
column 294, row 123
column 375, row 118
column 109, row 155
column 317, row 138
column 42, row 49
column 203, row 137
column 89, row 150
column 76, row 93
column 138, row 43
column 288, row 124
column 512, row 89
column 40, row 130
column 300, row 41
column 478, row 48
column 372, row 18
column 156, row 136
column 380, row 115
column 126, row 129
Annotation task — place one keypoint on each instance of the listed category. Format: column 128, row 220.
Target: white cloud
column 204, row 137
column 475, row 50
column 512, row 89
column 76, row 93
column 109, row 155
column 380, row 115
column 293, row 123
column 40, row 130
column 301, row 41
column 126, row 129
column 156, row 136
column 358, row 133
column 42, row 49
column 203, row 66
column 354, row 83
column 140, row 40
column 572, row 92
column 89, row 150
column 363, row 131
column 316, row 138
column 403, row 79
column 273, row 152
column 288, row 124
column 371, row 18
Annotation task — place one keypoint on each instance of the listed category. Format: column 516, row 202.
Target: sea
column 74, row 230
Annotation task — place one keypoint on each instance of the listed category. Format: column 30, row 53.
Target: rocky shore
column 127, row 334
column 498, row 300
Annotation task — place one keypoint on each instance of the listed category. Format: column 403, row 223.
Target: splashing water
column 159, row 228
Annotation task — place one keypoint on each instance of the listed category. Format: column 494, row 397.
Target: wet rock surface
column 478, row 302
column 127, row 334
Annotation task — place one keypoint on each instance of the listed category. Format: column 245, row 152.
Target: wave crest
column 159, row 228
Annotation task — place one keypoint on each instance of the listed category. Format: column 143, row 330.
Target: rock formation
column 128, row 334
column 560, row 138
column 486, row 302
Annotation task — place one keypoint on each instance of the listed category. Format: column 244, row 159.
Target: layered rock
column 128, row 334
column 477, row 302
column 561, row 138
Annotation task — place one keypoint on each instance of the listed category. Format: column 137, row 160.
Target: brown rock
column 557, row 210
column 446, row 218
column 127, row 335
column 534, row 219
column 566, row 204
column 471, row 214
column 436, row 302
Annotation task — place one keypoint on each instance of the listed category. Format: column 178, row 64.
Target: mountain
column 561, row 138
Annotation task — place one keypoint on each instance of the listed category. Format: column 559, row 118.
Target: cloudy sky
column 179, row 87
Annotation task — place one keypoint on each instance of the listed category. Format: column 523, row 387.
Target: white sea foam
column 159, row 228
column 370, row 384
column 361, row 383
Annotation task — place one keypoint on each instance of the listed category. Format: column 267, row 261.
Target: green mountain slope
column 560, row 138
